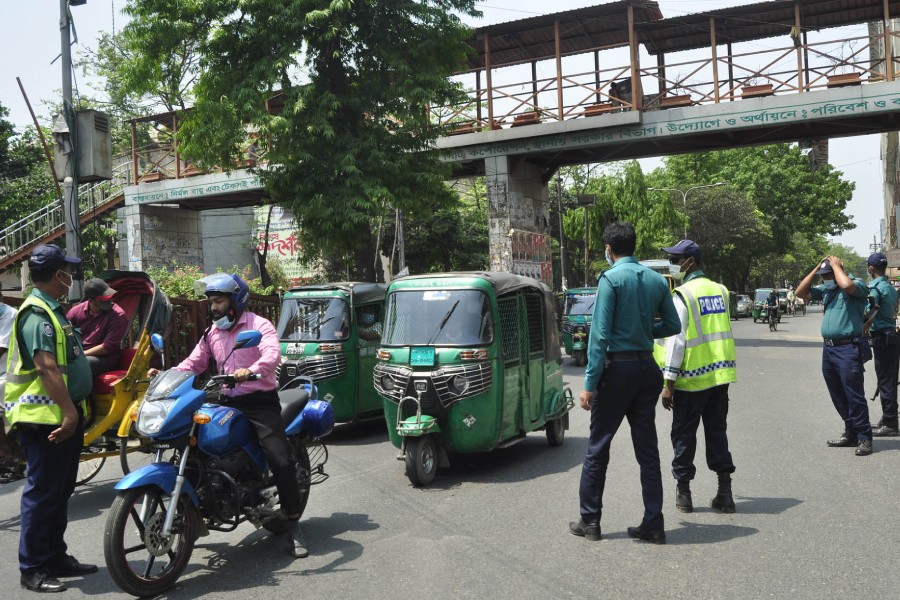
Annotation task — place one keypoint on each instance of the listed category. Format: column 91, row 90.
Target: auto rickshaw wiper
column 443, row 322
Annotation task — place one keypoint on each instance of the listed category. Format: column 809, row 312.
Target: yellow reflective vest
column 25, row 398
column 709, row 356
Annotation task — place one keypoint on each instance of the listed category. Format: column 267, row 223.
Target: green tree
column 25, row 182
column 355, row 80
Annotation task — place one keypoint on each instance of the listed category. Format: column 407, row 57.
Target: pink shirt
column 262, row 359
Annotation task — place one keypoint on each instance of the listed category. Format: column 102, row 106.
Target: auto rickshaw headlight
column 387, row 383
column 459, row 384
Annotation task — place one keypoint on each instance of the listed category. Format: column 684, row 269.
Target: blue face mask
column 830, row 285
column 608, row 258
column 223, row 323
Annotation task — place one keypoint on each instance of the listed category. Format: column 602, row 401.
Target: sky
column 30, row 42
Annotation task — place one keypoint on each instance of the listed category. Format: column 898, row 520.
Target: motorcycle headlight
column 459, row 384
column 387, row 383
column 152, row 415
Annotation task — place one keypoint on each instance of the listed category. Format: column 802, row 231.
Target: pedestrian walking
column 622, row 380
column 699, row 363
column 885, row 343
column 47, row 382
column 843, row 300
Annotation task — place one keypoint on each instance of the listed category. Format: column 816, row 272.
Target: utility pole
column 401, row 247
column 70, row 177
column 586, row 201
column 562, row 234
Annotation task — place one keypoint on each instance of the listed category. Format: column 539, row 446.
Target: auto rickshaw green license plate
column 421, row 357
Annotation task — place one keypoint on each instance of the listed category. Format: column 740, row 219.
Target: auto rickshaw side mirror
column 156, row 340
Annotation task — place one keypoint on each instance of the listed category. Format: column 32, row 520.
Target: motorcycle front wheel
column 142, row 561
column 301, row 455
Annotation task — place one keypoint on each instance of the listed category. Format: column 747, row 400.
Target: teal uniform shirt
column 629, row 297
column 884, row 296
column 36, row 332
column 843, row 312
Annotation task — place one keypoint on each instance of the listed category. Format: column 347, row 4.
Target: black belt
column 839, row 342
column 618, row 356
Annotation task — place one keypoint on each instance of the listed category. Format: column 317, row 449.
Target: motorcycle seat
column 292, row 402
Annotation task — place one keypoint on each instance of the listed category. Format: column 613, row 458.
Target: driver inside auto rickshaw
column 103, row 325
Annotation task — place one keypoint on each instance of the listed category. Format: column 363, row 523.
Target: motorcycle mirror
column 247, row 339
column 156, row 340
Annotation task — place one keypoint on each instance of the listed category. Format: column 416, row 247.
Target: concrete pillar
column 518, row 218
column 159, row 236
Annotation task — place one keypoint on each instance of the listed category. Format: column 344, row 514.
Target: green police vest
column 26, row 399
column 709, row 357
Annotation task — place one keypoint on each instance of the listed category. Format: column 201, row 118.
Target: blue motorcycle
column 210, row 474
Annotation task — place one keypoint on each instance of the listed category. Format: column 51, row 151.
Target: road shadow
column 886, row 444
column 693, row 533
column 748, row 505
column 527, row 460
column 358, row 434
column 262, row 559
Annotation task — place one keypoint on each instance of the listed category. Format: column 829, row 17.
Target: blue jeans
column 628, row 389
column 710, row 406
column 842, row 369
column 886, row 349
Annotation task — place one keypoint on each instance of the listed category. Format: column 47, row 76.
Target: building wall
column 158, row 236
column 228, row 240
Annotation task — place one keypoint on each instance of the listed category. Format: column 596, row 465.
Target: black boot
column 683, row 500
column 723, row 500
column 297, row 543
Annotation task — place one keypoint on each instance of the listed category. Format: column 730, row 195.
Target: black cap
column 49, row 255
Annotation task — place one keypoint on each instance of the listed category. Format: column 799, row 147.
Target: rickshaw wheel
column 556, row 431
column 421, row 460
column 88, row 469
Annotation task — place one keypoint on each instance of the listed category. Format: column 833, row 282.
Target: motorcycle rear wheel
column 301, row 455
column 133, row 546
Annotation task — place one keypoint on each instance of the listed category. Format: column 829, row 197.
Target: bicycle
column 773, row 319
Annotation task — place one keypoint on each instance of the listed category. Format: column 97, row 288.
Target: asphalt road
column 811, row 522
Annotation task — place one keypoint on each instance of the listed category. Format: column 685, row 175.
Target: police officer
column 698, row 365
column 844, row 302
column 47, row 382
column 885, row 343
column 622, row 380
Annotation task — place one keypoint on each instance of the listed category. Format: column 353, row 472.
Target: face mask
column 68, row 285
column 223, row 323
column 608, row 258
column 679, row 276
column 830, row 285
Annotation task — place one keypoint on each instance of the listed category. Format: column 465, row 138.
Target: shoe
column 723, row 500
column 297, row 546
column 864, row 448
column 882, row 430
column 589, row 531
column 845, row 441
column 683, row 501
column 68, row 566
column 654, row 537
column 41, row 582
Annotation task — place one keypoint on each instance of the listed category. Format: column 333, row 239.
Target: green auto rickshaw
column 331, row 333
column 469, row 362
column 576, row 326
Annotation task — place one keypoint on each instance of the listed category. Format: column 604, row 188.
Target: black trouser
column 886, row 349
column 710, row 406
column 264, row 412
column 628, row 389
column 99, row 365
column 52, row 471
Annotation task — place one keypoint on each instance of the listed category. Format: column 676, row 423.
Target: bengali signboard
column 532, row 256
column 179, row 190
column 283, row 242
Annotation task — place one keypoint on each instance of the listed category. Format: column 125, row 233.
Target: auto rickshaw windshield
column 580, row 304
column 761, row 295
column 438, row 317
column 314, row 319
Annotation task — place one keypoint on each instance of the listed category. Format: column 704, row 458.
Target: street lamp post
column 684, row 194
column 562, row 234
column 586, row 201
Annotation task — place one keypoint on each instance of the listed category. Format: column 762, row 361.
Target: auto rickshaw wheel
column 421, row 460
column 580, row 358
column 88, row 469
column 556, row 430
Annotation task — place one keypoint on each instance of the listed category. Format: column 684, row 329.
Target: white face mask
column 609, row 258
column 223, row 323
column 68, row 285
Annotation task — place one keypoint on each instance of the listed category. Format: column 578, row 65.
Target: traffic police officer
column 844, row 302
column 47, row 381
column 698, row 365
column 622, row 380
column 885, row 343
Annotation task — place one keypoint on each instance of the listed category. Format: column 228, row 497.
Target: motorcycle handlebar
column 229, row 380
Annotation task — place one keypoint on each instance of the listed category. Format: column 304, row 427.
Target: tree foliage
column 25, row 181
column 355, row 80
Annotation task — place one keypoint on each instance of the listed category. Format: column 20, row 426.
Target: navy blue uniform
column 885, row 347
